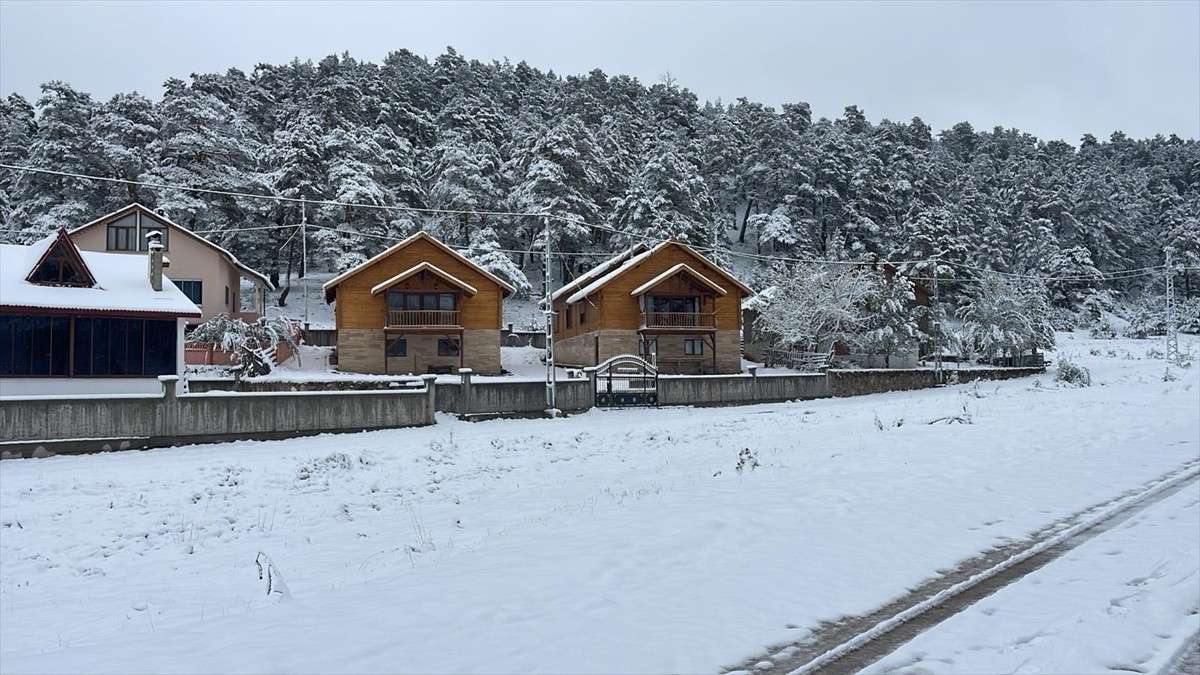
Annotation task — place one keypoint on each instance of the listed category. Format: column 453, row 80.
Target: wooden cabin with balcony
column 418, row 307
column 668, row 304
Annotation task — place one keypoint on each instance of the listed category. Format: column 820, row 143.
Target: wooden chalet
column 418, row 307
column 668, row 304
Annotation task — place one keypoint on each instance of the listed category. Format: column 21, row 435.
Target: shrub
column 1073, row 373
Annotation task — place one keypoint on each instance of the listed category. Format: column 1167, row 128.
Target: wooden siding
column 357, row 308
column 615, row 309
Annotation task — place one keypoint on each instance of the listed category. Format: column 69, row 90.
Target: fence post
column 431, row 396
column 591, row 376
column 754, row 379
column 167, row 418
column 467, row 393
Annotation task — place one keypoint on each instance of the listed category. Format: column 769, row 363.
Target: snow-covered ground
column 1113, row 604
column 613, row 541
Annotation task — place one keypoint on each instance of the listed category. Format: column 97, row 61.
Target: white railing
column 679, row 320
column 422, row 317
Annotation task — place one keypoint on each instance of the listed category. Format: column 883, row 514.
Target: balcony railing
column 706, row 320
column 422, row 317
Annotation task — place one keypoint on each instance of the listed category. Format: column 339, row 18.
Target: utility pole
column 1172, row 335
column 551, row 407
column 937, row 300
column 304, row 254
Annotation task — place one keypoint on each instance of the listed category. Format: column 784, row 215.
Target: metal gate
column 626, row 380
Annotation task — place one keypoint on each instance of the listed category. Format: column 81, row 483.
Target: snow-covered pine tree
column 889, row 325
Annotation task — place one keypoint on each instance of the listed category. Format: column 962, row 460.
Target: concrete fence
column 35, row 427
column 740, row 389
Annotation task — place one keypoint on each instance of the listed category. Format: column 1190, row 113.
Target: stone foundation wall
column 362, row 351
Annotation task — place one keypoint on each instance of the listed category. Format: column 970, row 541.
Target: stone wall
column 360, row 350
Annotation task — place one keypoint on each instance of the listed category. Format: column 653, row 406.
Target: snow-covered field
column 614, row 541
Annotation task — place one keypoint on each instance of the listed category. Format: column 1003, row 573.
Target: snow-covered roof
column 598, row 270
column 383, row 286
column 628, row 264
column 759, row 300
column 603, row 279
column 681, row 267
column 258, row 278
column 122, row 284
column 333, row 283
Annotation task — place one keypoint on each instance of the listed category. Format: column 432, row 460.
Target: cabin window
column 647, row 347
column 689, row 305
column 45, row 346
column 122, row 234
column 693, row 346
column 147, row 229
column 192, row 288
column 59, row 269
column 448, row 347
column 397, row 346
column 226, row 296
column 413, row 302
column 582, row 312
column 568, row 314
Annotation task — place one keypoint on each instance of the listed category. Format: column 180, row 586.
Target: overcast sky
column 1055, row 70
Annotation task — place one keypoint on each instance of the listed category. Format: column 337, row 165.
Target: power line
column 280, row 198
column 1104, row 276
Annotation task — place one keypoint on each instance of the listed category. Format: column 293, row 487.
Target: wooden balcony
column 422, row 318
column 681, row 321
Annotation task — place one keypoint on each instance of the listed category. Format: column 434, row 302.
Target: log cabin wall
column 361, row 317
column 613, row 316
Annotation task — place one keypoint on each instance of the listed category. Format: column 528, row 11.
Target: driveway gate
column 626, row 380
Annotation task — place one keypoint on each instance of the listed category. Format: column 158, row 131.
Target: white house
column 81, row 323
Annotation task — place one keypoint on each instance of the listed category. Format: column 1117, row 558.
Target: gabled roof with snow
column 631, row 262
column 254, row 275
column 331, row 285
column 599, row 270
column 121, row 284
column 677, row 269
column 425, row 267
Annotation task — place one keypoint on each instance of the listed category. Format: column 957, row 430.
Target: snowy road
column 623, row 541
column 1086, row 612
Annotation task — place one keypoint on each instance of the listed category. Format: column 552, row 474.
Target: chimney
column 155, row 247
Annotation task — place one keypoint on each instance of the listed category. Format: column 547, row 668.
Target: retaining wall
column 740, row 389
column 48, row 426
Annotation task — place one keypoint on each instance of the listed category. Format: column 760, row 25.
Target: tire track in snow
column 850, row 644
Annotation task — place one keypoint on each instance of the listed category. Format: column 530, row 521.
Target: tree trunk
column 745, row 219
column 287, row 289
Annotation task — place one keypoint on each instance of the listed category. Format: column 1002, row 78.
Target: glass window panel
column 395, row 300
column 429, row 301
column 447, row 347
column 446, row 301
column 193, row 289
column 412, row 301
column 22, row 337
column 60, row 346
column 39, row 348
column 160, row 348
column 6, row 344
column 118, row 352
column 397, row 346
column 101, row 340
column 83, row 346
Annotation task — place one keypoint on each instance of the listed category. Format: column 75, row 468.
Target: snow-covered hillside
column 668, row 540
